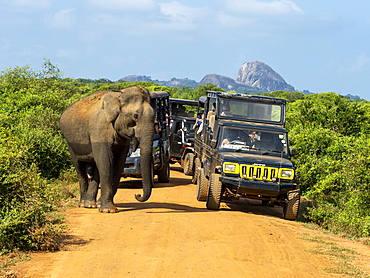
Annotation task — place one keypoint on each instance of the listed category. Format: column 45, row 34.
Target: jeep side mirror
column 292, row 151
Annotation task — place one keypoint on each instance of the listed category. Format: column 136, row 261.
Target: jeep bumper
column 132, row 167
column 255, row 187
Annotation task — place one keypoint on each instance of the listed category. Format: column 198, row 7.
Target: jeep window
column 188, row 125
column 183, row 110
column 243, row 139
column 250, row 110
column 189, row 129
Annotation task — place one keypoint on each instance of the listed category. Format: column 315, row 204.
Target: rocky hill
column 139, row 78
column 259, row 75
column 224, row 82
column 252, row 77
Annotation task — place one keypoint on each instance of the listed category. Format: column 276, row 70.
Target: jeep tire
column 196, row 171
column 202, row 186
column 188, row 164
column 214, row 192
column 291, row 206
column 164, row 173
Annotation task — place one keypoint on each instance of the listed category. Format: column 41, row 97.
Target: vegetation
column 342, row 258
column 330, row 133
column 331, row 136
column 32, row 155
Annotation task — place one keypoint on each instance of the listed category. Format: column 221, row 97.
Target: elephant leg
column 80, row 168
column 119, row 164
column 106, row 198
column 110, row 170
column 92, row 191
column 82, row 180
column 105, row 168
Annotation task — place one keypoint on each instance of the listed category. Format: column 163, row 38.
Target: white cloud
column 181, row 13
column 34, row 4
column 121, row 5
column 276, row 7
column 102, row 20
column 178, row 17
column 229, row 21
column 61, row 19
column 172, row 16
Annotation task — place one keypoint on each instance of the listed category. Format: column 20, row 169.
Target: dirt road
column 173, row 235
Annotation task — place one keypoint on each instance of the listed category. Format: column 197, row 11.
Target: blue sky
column 320, row 46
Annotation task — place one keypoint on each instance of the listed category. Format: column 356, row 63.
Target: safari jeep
column 244, row 153
column 161, row 144
column 182, row 133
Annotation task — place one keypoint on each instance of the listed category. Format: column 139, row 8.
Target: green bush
column 331, row 136
column 26, row 203
column 32, row 154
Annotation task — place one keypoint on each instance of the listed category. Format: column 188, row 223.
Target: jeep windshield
column 251, row 111
column 241, row 139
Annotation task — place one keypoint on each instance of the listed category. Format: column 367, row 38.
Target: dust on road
column 174, row 235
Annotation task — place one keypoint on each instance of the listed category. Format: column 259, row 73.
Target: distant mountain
column 224, row 82
column 259, row 75
column 252, row 77
column 174, row 82
column 178, row 82
column 139, row 78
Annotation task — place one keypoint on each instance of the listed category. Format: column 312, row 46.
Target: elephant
column 99, row 129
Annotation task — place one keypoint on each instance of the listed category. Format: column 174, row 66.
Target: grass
column 342, row 258
column 8, row 260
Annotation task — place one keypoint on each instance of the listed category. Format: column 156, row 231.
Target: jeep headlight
column 287, row 173
column 231, row 168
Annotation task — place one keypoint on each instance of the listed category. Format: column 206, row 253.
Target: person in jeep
column 236, row 136
column 225, row 110
column 198, row 126
column 269, row 141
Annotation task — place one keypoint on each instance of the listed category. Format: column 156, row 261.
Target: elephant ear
column 111, row 106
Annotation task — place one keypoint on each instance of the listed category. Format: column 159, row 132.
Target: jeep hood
column 247, row 158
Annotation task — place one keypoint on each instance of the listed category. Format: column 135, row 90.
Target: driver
column 236, row 136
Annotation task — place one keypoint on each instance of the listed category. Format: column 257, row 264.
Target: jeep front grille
column 259, row 172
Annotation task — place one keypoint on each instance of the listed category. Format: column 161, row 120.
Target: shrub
column 333, row 160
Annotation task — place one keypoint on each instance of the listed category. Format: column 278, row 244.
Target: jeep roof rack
column 157, row 94
column 244, row 96
column 184, row 101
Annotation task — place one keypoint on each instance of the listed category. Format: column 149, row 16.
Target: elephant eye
column 131, row 124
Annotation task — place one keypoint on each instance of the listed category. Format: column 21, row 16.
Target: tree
column 289, row 96
column 331, row 136
column 330, row 111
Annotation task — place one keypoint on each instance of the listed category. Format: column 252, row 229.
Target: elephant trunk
column 146, row 160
